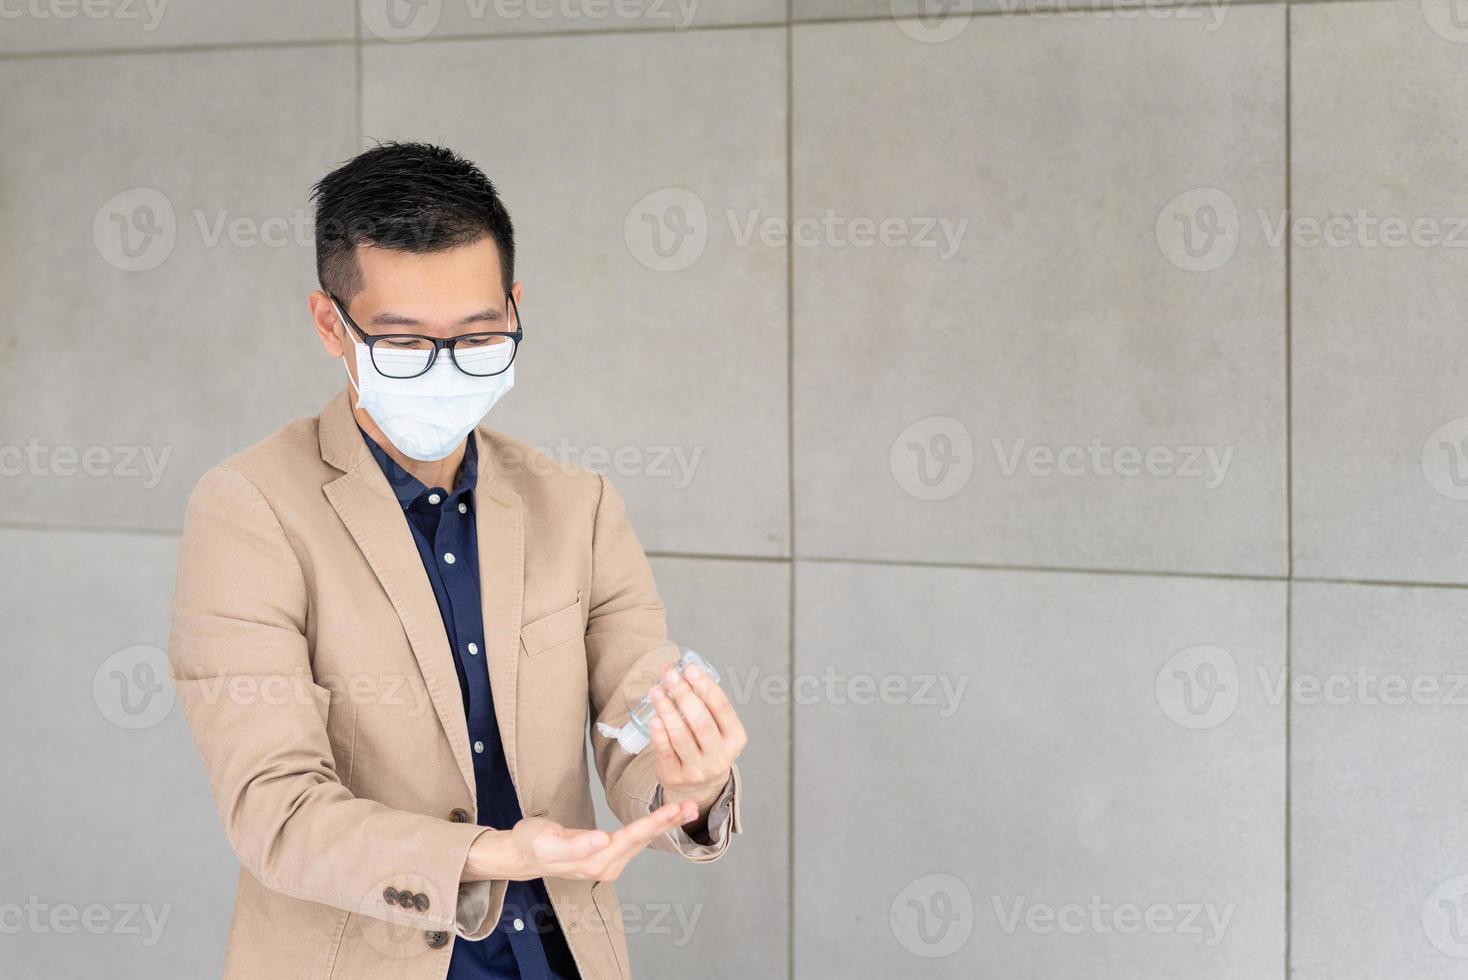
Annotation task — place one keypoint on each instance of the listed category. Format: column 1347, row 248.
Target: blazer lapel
column 500, row 526
column 367, row 506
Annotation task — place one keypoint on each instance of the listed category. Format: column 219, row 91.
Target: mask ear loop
column 343, row 321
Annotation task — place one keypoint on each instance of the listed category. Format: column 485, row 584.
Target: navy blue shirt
column 528, row 943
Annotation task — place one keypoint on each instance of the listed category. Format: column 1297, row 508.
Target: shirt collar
column 408, row 487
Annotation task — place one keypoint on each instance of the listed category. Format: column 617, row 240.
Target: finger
column 668, row 717
column 631, row 839
column 663, row 746
column 570, row 845
column 718, row 703
column 687, row 812
column 695, row 713
column 641, row 832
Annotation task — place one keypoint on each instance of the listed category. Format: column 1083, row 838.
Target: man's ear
column 329, row 328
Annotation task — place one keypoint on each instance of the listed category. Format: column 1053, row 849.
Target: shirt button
column 448, row 558
column 478, row 746
column 519, row 925
column 463, row 508
column 434, row 498
column 473, row 648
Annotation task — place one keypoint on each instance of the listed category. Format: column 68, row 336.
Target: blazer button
column 436, row 940
column 390, row 895
column 405, row 899
column 459, row 815
column 420, row 902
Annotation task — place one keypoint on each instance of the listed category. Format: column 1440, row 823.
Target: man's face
column 436, row 294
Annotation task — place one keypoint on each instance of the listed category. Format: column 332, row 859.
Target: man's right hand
column 540, row 848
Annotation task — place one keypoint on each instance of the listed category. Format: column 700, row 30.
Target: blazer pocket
column 322, row 697
column 549, row 632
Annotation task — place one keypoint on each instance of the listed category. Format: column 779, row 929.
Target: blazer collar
column 341, row 443
column 343, row 447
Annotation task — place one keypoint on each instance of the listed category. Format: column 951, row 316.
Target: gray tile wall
column 1055, row 422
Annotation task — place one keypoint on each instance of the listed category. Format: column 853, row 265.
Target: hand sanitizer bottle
column 635, row 736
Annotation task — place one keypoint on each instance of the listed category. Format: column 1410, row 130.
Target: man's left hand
column 697, row 736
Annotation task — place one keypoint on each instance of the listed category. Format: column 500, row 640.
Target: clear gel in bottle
column 635, row 736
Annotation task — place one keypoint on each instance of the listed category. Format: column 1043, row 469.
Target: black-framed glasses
column 481, row 354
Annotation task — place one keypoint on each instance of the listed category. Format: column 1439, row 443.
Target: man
column 392, row 627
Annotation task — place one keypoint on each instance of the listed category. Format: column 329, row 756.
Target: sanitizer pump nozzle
column 635, row 736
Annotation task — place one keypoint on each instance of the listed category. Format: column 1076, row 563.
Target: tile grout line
column 357, row 31
column 1289, row 411
column 1046, row 11
column 790, row 482
column 174, row 532
column 1381, row 583
column 217, row 47
column 1075, row 570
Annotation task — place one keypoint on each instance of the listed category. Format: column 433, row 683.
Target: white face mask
column 427, row 417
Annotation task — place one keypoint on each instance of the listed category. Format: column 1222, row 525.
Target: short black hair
column 412, row 197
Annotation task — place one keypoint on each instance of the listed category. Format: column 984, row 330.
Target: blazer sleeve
column 242, row 668
column 626, row 645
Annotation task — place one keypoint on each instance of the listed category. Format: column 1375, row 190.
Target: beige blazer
column 312, row 663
